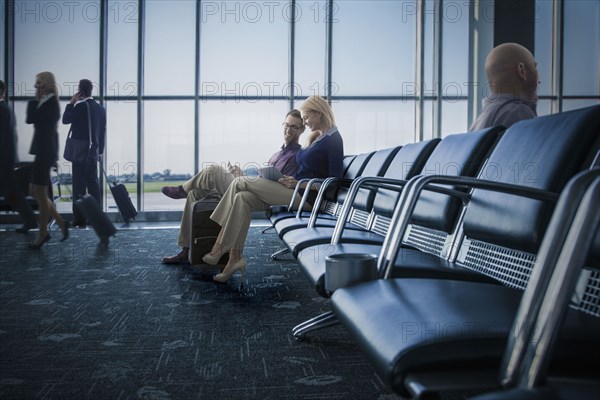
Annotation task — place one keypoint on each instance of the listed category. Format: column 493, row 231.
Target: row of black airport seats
column 466, row 237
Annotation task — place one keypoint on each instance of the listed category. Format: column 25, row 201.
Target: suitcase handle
column 106, row 176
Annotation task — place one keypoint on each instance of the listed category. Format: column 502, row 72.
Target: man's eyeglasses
column 292, row 127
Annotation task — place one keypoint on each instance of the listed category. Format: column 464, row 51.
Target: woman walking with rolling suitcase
column 44, row 113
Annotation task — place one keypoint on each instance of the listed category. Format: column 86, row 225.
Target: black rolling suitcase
column 93, row 214
column 204, row 230
column 121, row 196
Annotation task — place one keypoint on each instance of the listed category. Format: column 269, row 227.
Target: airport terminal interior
column 425, row 255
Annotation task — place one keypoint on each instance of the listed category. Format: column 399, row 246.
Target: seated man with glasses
column 217, row 179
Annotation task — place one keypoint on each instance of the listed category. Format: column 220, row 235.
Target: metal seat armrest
column 296, row 190
column 408, row 199
column 327, row 184
column 370, row 182
column 414, row 187
column 307, row 189
column 552, row 281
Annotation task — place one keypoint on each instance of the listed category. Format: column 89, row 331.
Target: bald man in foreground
column 513, row 79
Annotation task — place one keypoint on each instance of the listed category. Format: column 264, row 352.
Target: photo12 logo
column 266, row 11
column 70, row 11
column 255, row 91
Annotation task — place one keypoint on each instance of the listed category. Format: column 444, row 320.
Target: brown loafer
column 174, row 192
column 181, row 257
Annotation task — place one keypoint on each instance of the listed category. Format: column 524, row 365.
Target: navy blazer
column 77, row 116
column 322, row 159
column 45, row 122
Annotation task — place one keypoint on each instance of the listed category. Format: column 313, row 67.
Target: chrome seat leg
column 324, row 320
column 279, row 253
column 267, row 229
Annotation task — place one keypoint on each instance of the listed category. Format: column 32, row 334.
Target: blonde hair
column 318, row 104
column 48, row 82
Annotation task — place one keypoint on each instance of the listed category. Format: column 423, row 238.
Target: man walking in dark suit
column 88, row 119
column 8, row 157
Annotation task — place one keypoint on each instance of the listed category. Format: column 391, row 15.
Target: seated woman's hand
column 288, row 181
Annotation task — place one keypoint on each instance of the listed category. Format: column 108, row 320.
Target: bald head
column 511, row 69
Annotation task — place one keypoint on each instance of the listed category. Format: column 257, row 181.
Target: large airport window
column 229, row 62
column 543, row 45
column 454, row 117
column 57, row 36
column 170, row 47
column 310, row 48
column 578, row 103
column 240, row 132
column 244, row 49
column 121, row 147
column 168, row 149
column 455, row 49
column 372, row 125
column 122, row 49
column 373, row 48
column 582, row 48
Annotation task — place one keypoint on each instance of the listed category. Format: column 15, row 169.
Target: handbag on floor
column 204, row 231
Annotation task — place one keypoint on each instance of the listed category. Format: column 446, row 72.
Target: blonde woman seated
column 217, row 179
column 320, row 158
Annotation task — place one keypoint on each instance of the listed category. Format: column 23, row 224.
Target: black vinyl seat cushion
column 299, row 239
column 312, row 259
column 411, row 325
column 280, row 216
column 410, row 263
column 414, row 263
column 284, row 226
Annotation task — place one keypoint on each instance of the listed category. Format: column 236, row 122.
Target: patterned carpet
column 78, row 321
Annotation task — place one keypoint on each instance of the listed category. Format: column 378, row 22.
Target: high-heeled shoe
column 227, row 273
column 37, row 246
column 65, row 231
column 214, row 260
column 25, row 228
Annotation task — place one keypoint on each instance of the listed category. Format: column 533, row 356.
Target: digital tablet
column 271, row 173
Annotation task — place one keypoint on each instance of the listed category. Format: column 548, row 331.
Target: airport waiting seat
column 456, row 155
column 328, row 202
column 330, row 205
column 407, row 163
column 416, row 330
column 576, row 239
column 376, row 166
column 361, row 221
